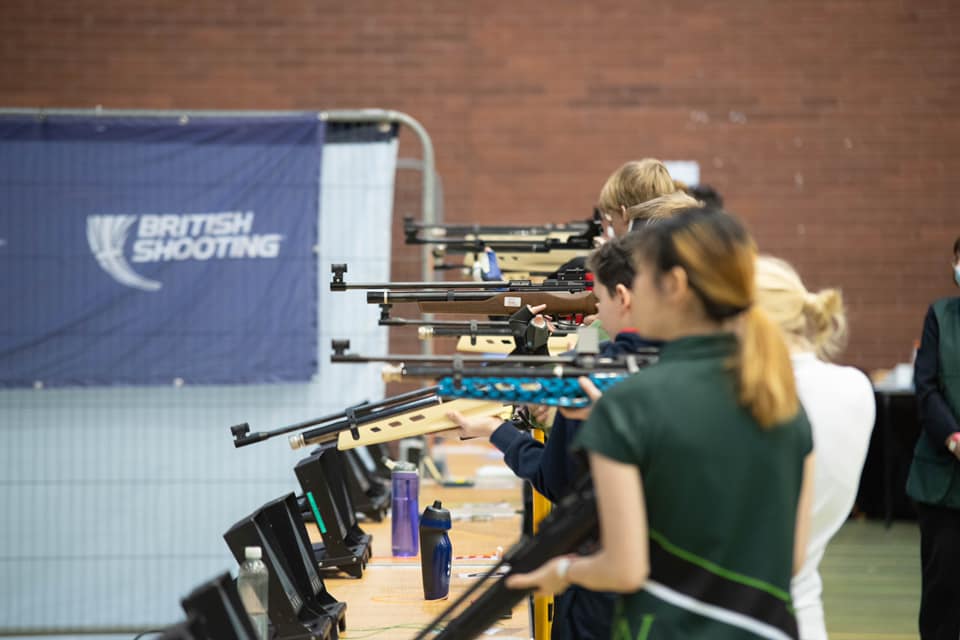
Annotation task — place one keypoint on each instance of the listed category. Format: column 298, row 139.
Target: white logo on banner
column 175, row 237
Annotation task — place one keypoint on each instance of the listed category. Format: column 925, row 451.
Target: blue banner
column 141, row 251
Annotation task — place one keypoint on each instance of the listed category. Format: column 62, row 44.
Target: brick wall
column 831, row 127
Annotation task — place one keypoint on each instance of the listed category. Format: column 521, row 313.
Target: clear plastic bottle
column 252, row 583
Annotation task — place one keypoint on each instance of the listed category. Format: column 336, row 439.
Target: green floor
column 871, row 581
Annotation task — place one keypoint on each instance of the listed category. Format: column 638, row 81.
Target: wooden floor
column 871, row 581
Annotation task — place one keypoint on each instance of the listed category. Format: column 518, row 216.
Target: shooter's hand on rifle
column 542, row 414
column 538, row 317
column 547, row 580
column 475, row 427
column 592, row 392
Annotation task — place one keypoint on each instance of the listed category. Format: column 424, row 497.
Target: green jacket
column 721, row 496
column 935, row 472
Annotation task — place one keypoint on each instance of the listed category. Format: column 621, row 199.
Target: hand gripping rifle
column 522, row 379
column 402, row 416
column 570, row 527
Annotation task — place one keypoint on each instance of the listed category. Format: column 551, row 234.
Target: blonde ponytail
column 827, row 322
column 765, row 374
column 811, row 321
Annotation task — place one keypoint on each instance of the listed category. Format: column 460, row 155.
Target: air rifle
column 409, row 414
column 507, row 239
column 574, row 280
column 569, row 294
column 491, row 303
column 519, row 265
column 523, row 333
column 570, row 527
column 527, row 379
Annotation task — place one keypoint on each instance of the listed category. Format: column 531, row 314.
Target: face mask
column 956, row 274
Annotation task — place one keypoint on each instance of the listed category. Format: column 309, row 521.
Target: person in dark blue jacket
column 551, row 468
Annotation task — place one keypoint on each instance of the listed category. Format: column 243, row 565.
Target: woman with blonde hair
column 701, row 462
column 840, row 405
column 634, row 183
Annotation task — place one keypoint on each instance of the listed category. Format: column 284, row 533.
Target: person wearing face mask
column 934, row 480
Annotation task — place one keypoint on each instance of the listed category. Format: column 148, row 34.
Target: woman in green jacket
column 934, row 480
column 701, row 463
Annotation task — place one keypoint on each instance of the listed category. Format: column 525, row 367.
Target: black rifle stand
column 299, row 606
column 214, row 610
column 380, row 455
column 369, row 489
column 345, row 546
column 370, row 492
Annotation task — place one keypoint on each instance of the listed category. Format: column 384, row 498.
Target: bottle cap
column 435, row 516
column 404, row 467
column 252, row 553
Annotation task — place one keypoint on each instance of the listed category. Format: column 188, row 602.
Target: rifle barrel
column 244, row 439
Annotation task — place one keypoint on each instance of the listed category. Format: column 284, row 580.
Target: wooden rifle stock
column 420, row 422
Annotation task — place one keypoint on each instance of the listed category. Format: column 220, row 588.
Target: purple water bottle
column 405, row 511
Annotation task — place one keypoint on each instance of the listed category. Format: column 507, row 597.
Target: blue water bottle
column 405, row 510
column 436, row 552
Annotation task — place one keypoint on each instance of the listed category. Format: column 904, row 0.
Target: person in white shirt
column 840, row 404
